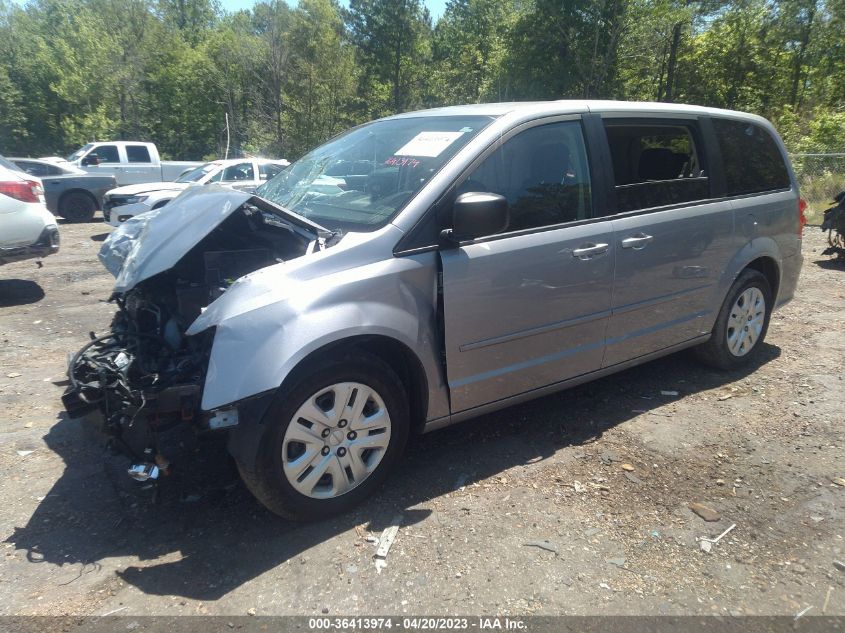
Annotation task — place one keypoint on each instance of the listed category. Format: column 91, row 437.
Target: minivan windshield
column 360, row 180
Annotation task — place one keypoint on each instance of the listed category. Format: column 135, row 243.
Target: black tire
column 266, row 479
column 716, row 352
column 77, row 206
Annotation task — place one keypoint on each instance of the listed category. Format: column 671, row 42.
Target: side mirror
column 478, row 215
column 90, row 159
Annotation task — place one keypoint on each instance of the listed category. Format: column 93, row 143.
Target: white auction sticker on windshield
column 428, row 144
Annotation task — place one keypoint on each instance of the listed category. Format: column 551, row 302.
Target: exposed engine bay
column 146, row 376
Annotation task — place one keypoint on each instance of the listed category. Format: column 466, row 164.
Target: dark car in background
column 70, row 192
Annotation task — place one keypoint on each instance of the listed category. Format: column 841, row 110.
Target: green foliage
column 323, row 80
column 566, row 49
column 469, row 50
column 280, row 78
column 825, row 133
column 393, row 41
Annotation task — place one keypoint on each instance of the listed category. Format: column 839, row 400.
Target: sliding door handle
column 590, row 250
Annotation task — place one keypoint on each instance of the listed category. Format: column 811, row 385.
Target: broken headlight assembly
column 143, row 380
column 146, row 375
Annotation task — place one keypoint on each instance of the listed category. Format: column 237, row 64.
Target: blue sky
column 435, row 7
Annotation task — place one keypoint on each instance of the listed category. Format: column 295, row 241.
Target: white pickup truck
column 130, row 162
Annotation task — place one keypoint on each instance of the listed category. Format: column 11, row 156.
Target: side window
column 107, row 153
column 543, row 174
column 655, row 164
column 753, row 163
column 241, row 171
column 266, row 171
column 138, row 154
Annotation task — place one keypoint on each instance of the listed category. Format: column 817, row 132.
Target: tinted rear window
column 36, row 169
column 655, row 163
column 137, row 154
column 752, row 160
column 107, row 154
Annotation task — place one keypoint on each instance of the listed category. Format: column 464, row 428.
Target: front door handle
column 589, row 250
column 637, row 241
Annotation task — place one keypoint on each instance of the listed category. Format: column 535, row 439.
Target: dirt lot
column 573, row 504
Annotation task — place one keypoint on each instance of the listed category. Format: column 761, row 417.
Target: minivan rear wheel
column 330, row 438
column 742, row 323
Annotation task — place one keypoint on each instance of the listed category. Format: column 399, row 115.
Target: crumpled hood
column 252, row 291
column 148, row 187
column 153, row 242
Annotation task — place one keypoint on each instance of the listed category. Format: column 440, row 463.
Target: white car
column 27, row 228
column 240, row 173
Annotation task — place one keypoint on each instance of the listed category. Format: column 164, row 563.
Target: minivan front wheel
column 330, row 439
column 742, row 323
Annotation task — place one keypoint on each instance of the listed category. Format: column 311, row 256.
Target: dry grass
column 818, row 190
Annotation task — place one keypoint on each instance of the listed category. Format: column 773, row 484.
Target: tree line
column 288, row 76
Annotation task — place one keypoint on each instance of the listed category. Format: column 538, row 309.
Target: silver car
column 431, row 267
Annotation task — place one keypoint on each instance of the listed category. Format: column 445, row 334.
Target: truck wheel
column 77, row 206
column 330, row 438
column 741, row 325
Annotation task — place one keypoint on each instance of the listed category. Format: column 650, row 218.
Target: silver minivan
column 433, row 266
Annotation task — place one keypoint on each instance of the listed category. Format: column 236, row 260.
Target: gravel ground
column 577, row 503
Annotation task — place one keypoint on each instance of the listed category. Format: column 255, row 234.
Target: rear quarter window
column 752, row 160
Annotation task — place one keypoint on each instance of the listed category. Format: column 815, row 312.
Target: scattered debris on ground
column 705, row 512
column 385, row 543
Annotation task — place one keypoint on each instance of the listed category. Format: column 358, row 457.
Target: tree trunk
column 660, row 76
column 798, row 60
column 397, row 62
column 673, row 60
column 278, row 108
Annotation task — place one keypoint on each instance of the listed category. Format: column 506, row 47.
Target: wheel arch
column 63, row 196
column 761, row 254
column 245, row 439
column 394, row 353
column 769, row 268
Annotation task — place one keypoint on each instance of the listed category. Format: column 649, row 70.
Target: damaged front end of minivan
column 147, row 374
